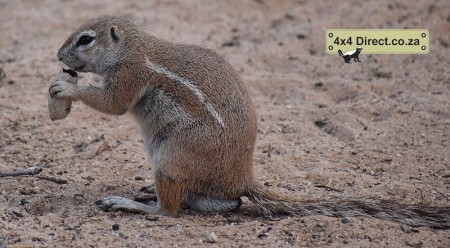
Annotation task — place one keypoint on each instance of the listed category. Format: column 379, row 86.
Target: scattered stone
column 80, row 147
column 233, row 42
column 406, row 229
column 37, row 239
column 443, row 42
column 233, row 219
column 263, row 235
column 289, row 17
column 103, row 147
column 381, row 74
column 312, row 51
column 23, row 202
column 274, row 218
column 152, row 218
column 345, row 220
column 211, row 238
column 318, row 85
column 268, row 184
column 320, row 123
column 2, row 74
column 415, row 245
column 138, row 178
column 123, row 235
column 321, row 224
column 115, row 227
column 446, row 174
column 17, row 213
column 90, row 178
column 301, row 36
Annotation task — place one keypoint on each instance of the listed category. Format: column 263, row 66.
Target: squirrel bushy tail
column 270, row 203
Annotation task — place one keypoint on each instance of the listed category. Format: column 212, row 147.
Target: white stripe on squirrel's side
column 192, row 87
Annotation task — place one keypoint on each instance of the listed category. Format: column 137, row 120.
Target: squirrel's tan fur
column 198, row 124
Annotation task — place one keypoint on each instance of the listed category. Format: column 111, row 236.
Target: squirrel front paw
column 63, row 90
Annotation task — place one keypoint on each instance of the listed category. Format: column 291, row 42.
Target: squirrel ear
column 115, row 34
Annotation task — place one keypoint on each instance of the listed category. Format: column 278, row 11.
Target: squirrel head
column 98, row 45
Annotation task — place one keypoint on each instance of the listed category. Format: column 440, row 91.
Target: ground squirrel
column 198, row 124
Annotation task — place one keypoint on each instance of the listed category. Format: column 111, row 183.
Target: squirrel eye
column 84, row 40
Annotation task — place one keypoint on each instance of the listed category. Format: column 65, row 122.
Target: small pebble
column 405, row 228
column 233, row 219
column 262, row 235
column 345, row 220
column 211, row 238
column 115, row 227
column 301, row 36
column 23, row 202
column 152, row 218
column 90, row 178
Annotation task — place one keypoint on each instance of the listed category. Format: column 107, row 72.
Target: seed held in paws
column 60, row 109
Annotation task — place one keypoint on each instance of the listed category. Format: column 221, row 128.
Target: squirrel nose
column 60, row 55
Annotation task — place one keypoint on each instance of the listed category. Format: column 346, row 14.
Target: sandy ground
column 380, row 128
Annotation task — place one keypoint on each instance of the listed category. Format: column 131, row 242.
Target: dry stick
column 7, row 107
column 23, row 172
column 56, row 180
column 328, row 188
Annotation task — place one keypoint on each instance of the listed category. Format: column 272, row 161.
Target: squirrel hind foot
column 117, row 203
column 207, row 204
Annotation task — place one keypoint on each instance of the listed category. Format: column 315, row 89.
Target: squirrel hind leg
column 207, row 204
column 170, row 193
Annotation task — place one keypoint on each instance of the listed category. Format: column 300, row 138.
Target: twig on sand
column 7, row 107
column 22, row 172
column 52, row 179
column 30, row 172
column 328, row 188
